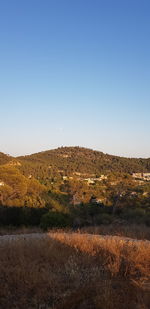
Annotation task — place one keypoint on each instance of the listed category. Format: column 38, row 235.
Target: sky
column 75, row 73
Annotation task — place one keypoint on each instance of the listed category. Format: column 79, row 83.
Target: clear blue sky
column 75, row 72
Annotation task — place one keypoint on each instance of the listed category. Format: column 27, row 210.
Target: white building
column 143, row 176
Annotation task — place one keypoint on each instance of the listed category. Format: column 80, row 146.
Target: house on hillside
column 14, row 163
column 137, row 175
column 65, row 177
column 77, row 173
column 141, row 176
column 65, row 155
column 95, row 200
column 146, row 176
column 93, row 180
column 90, row 181
column 102, row 177
column 75, row 200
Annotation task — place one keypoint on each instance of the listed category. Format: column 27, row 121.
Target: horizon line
column 92, row 149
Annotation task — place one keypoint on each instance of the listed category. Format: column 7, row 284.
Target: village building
column 14, row 163
column 65, row 177
column 89, row 181
column 75, row 200
column 141, row 176
column 95, row 200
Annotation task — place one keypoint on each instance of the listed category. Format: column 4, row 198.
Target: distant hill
column 83, row 160
column 58, row 179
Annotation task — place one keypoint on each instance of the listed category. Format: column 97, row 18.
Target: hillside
column 72, row 185
column 83, row 160
column 18, row 190
column 5, row 158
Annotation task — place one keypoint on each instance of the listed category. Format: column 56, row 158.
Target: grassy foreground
column 136, row 231
column 74, row 271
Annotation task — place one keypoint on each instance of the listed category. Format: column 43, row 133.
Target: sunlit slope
column 83, row 160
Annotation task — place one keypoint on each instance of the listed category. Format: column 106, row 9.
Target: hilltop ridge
column 86, row 160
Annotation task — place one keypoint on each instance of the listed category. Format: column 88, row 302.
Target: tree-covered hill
column 83, row 160
column 57, row 182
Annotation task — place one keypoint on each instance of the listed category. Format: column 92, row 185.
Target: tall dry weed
column 74, row 271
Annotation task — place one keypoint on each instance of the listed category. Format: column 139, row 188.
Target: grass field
column 136, row 231
column 74, row 271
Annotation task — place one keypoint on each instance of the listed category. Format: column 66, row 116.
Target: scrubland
column 74, row 271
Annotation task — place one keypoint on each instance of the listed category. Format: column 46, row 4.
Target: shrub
column 54, row 219
column 104, row 218
column 147, row 219
column 17, row 216
column 134, row 215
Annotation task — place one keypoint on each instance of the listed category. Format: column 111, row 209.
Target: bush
column 104, row 218
column 134, row 215
column 147, row 219
column 17, row 216
column 54, row 219
column 10, row 216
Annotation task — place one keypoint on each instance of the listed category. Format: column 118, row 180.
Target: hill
column 83, row 160
column 73, row 185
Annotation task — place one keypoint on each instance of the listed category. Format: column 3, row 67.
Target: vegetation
column 81, row 186
column 83, row 160
column 73, row 271
column 18, row 190
column 133, row 231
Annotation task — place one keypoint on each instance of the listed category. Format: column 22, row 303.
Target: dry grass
column 74, row 271
column 11, row 230
column 135, row 231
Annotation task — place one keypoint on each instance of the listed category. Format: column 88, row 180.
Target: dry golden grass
column 74, row 271
column 137, row 231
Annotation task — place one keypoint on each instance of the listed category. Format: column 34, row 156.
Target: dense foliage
column 74, row 186
column 73, row 159
column 18, row 190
